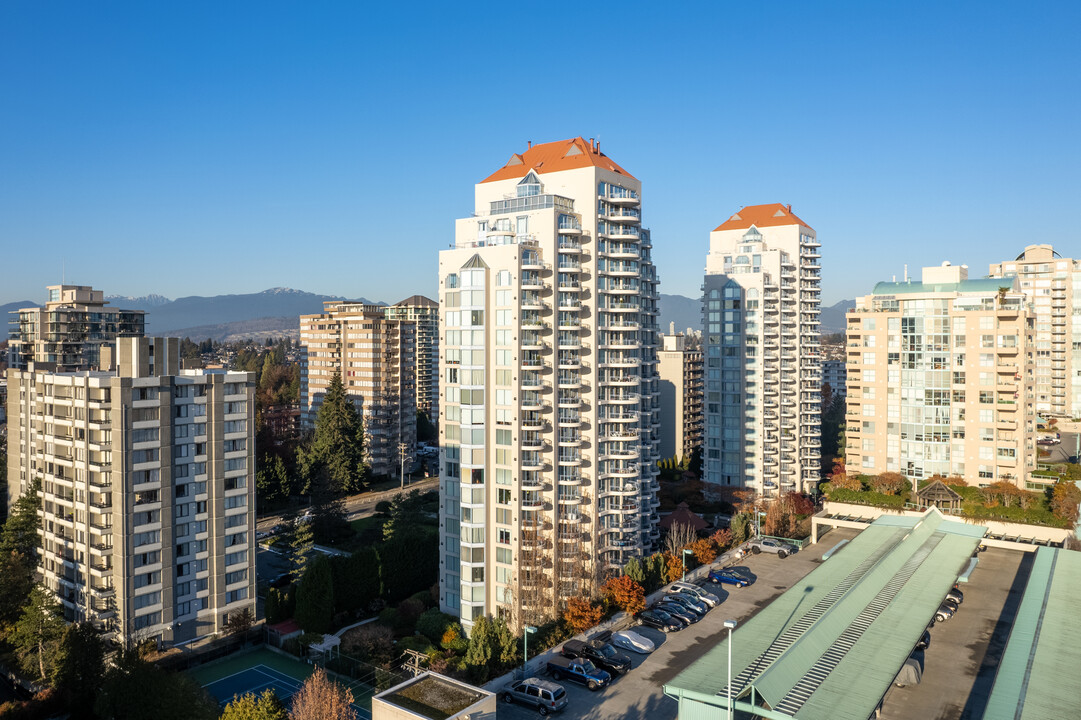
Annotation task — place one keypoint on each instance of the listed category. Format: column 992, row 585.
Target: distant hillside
column 188, row 313
column 258, row 329
column 832, row 319
column 12, row 307
column 685, row 312
column 146, row 302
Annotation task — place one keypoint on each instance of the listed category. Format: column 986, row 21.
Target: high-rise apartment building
column 760, row 330
column 835, row 374
column 680, row 371
column 70, row 330
column 1052, row 286
column 549, row 414
column 940, row 379
column 424, row 314
column 147, row 488
column 375, row 357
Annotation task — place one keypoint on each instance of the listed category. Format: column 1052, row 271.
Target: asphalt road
column 357, row 506
column 1063, row 452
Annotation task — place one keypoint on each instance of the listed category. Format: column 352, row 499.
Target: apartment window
column 503, row 537
column 235, row 595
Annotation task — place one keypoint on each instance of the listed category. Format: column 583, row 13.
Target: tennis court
column 260, row 670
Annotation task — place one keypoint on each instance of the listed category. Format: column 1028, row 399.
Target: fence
column 189, row 657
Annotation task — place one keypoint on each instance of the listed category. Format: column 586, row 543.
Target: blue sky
column 206, row 148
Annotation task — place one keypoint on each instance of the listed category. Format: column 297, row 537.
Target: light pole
column 525, row 659
column 403, row 452
column 685, row 554
column 731, row 625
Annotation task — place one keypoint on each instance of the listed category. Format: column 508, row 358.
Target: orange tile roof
column 555, row 156
column 771, row 215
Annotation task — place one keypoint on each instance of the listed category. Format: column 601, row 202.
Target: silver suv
column 781, row 549
column 544, row 695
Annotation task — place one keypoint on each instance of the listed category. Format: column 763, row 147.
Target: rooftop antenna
column 906, row 272
column 63, row 271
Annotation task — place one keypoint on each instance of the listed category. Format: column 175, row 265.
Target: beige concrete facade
column 680, row 369
column 940, row 379
column 549, row 415
column 147, row 487
column 376, row 358
column 70, row 330
column 1052, row 286
column 424, row 314
column 762, row 375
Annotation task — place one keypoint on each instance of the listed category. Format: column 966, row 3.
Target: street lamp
column 731, row 625
column 525, row 637
column 685, row 554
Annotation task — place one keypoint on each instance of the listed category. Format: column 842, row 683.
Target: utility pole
column 403, row 452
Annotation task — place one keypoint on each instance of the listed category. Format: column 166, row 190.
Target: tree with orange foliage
column 704, row 550
column 581, row 614
column 892, row 483
column 320, row 698
column 846, row 482
column 722, row 540
column 625, row 593
column 744, row 500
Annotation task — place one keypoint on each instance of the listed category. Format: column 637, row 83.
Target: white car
column 630, row 640
column 685, row 588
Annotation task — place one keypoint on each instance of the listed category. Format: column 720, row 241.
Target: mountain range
column 274, row 313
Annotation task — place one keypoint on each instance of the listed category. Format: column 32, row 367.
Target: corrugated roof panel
column 1037, row 677
column 893, row 576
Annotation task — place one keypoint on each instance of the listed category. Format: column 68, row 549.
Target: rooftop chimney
column 529, row 144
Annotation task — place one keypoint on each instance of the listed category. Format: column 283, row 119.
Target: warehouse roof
column 831, row 645
column 1037, row 677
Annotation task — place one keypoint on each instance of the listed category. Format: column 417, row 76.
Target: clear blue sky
column 203, row 148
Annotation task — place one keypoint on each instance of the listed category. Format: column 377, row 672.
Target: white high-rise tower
column 549, row 407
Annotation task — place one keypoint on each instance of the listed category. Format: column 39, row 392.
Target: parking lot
column 960, row 664
column 638, row 693
column 959, row 669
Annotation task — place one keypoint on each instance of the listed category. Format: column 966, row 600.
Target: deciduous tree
column 320, row 698
column 679, row 536
column 625, row 593
column 704, row 550
column 1065, row 498
column 580, row 614
column 239, row 622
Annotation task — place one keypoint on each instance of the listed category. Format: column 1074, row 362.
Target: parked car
column 695, row 592
column 688, row 602
column 925, row 641
column 944, row 612
column 282, row 581
column 678, row 611
column 728, row 576
column 955, row 595
column 601, row 653
column 546, row 696
column 630, row 640
column 771, row 545
column 661, row 620
column 579, row 670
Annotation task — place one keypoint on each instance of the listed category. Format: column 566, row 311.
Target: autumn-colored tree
column 581, row 614
column 1002, row 493
column 673, row 567
column 625, row 593
column 744, row 500
column 890, row 483
column 320, row 698
column 843, row 481
column 956, row 480
column 1065, row 499
column 838, row 469
column 704, row 550
column 778, row 522
column 722, row 540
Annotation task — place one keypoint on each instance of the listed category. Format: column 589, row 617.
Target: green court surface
column 259, row 669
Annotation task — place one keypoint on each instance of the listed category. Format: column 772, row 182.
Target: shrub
column 433, row 624
column 454, row 639
column 409, row 610
column 890, row 483
column 416, row 642
column 383, row 507
column 372, row 642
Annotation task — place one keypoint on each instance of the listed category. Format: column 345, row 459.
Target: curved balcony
column 570, row 286
column 570, row 403
column 621, row 327
column 627, row 417
column 624, row 215
column 532, row 503
column 620, row 308
column 627, row 399
column 619, row 362
column 570, row 499
column 619, row 289
column 532, row 262
column 573, row 267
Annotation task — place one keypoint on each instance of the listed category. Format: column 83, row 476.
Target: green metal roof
column 974, row 285
column 1037, row 677
column 831, row 645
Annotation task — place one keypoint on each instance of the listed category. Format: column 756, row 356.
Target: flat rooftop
column 432, row 696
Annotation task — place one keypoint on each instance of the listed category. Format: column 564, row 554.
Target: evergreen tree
column 249, row 707
column 79, row 668
column 300, row 540
column 273, row 607
column 315, row 597
column 479, row 654
column 37, row 633
column 509, row 652
column 18, row 556
column 135, row 689
column 426, row 431
column 356, row 580
column 633, row 569
column 272, row 480
column 336, row 449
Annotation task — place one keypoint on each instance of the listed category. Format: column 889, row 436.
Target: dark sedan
column 660, row 620
column 677, row 611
